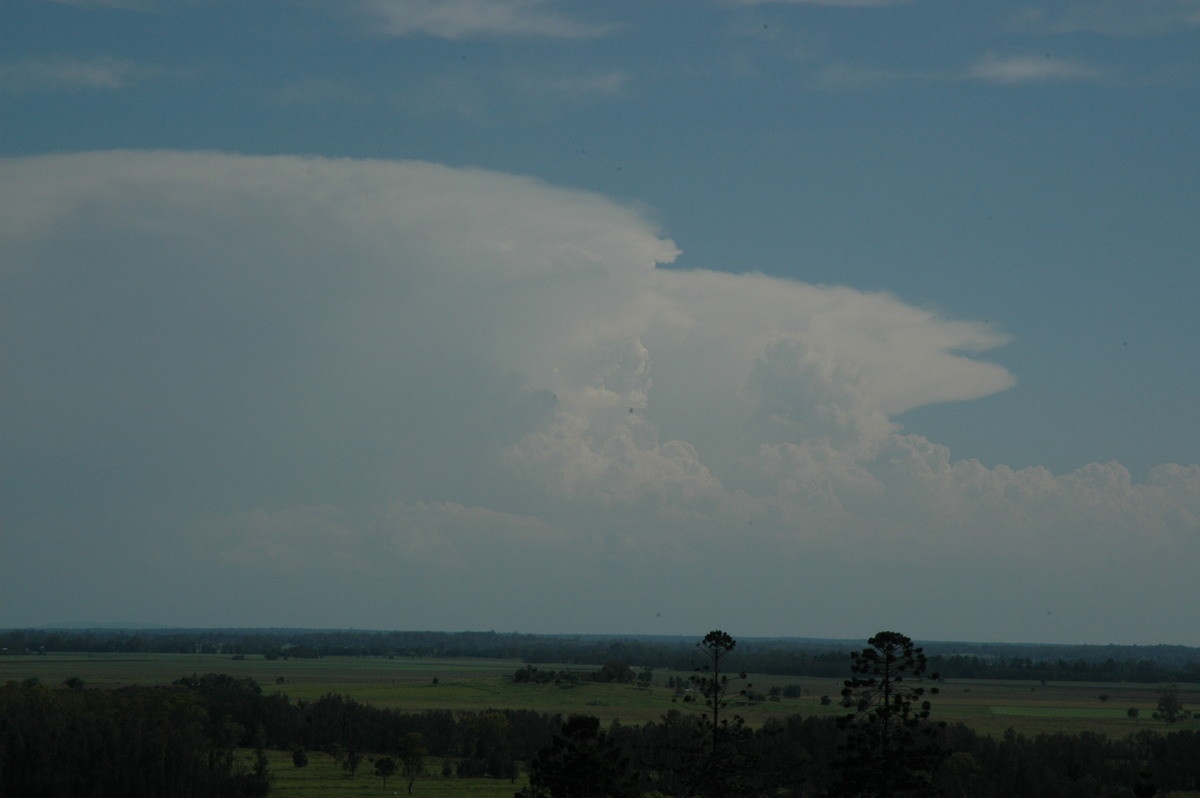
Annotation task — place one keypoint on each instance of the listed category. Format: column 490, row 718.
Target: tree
column 717, row 770
column 1145, row 787
column 351, row 762
column 385, row 766
column 1170, row 707
column 615, row 672
column 259, row 782
column 412, row 757
column 300, row 758
column 712, row 686
column 890, row 747
column 581, row 762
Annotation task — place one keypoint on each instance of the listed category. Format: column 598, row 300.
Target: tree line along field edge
column 796, row 731
column 989, row 706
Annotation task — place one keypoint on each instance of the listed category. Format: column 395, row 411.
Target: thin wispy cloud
column 125, row 5
column 847, row 76
column 842, row 3
column 321, row 91
column 1028, row 69
column 472, row 19
column 1121, row 18
column 70, row 74
column 465, row 97
column 612, row 83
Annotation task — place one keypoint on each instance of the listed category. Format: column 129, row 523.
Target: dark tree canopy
column 581, row 762
column 1170, row 707
column 890, row 747
column 180, row 741
column 385, row 767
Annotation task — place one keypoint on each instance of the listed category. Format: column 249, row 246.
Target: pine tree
column 890, row 747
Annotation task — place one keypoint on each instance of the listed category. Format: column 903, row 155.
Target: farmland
column 480, row 698
column 407, row 684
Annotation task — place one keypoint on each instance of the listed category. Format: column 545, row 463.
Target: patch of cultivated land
column 478, row 684
column 322, row 778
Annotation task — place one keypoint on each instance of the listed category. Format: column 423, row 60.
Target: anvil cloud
column 330, row 392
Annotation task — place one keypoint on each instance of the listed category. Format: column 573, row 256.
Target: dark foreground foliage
column 132, row 742
column 179, row 740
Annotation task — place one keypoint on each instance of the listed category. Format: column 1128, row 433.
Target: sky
column 790, row 318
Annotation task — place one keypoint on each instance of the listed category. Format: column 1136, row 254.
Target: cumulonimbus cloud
column 391, row 372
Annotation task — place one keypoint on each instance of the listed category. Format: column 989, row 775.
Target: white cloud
column 321, row 91
column 470, row 19
column 126, row 5
column 1024, row 69
column 69, row 74
column 843, row 3
column 841, row 76
column 611, row 84
column 1111, row 17
column 400, row 394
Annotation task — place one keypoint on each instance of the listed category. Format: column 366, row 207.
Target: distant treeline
column 179, row 740
column 137, row 742
column 793, row 657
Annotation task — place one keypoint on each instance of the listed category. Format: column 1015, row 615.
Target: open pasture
column 322, row 778
column 479, row 684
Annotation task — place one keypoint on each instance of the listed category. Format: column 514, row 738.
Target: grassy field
column 480, row 684
column 322, row 778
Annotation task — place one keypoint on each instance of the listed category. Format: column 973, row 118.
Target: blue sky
column 536, row 315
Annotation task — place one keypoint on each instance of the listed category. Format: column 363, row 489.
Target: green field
column 322, row 778
column 479, row 684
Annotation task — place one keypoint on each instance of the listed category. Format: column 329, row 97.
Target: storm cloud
column 304, row 391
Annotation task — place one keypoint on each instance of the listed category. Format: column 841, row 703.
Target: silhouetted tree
column 716, row 768
column 259, row 781
column 351, row 762
column 581, row 762
column 1170, row 708
column 1145, row 787
column 385, row 766
column 890, row 747
column 412, row 757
